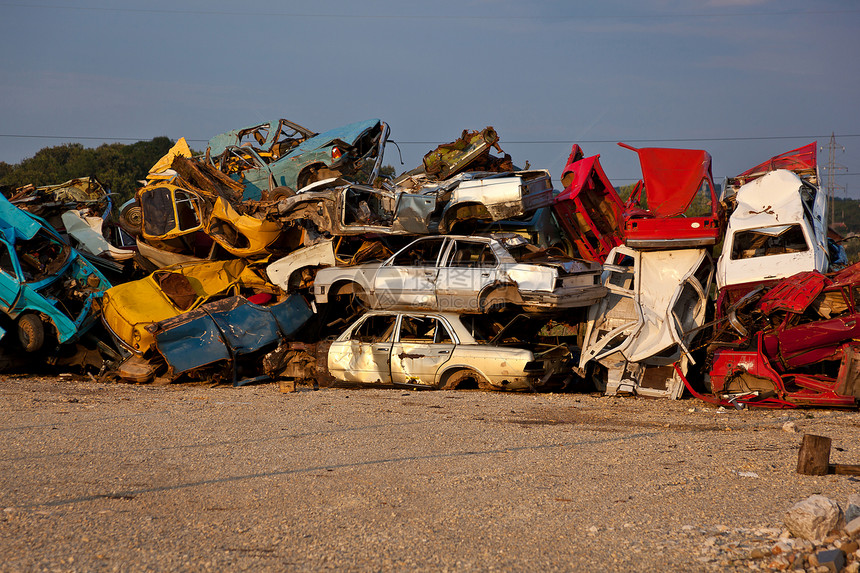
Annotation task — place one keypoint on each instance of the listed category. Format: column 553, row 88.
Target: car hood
column 348, row 134
column 16, row 223
column 672, row 177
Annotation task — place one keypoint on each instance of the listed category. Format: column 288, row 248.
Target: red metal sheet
column 672, row 177
column 799, row 159
column 589, row 209
column 795, row 293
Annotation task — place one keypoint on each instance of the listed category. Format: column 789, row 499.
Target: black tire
column 131, row 219
column 31, row 332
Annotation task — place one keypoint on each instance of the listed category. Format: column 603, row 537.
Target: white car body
column 647, row 321
column 386, row 347
column 777, row 229
column 463, row 273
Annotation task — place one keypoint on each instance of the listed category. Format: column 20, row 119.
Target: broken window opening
column 186, row 211
column 473, row 255
column 424, row 330
column 6, row 262
column 767, row 241
column 376, row 328
column 422, row 253
column 362, row 207
column 41, row 256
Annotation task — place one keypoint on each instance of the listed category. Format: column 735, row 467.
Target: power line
column 517, row 142
column 434, row 16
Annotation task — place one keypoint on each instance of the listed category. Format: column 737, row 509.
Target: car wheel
column 463, row 380
column 279, row 193
column 31, row 332
column 131, row 219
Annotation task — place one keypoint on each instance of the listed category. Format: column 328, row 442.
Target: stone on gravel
column 852, row 528
column 813, row 518
column 852, row 511
column 833, row 559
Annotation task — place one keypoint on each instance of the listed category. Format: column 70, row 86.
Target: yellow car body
column 130, row 307
column 240, row 235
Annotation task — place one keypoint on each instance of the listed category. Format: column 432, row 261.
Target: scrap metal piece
column 451, row 158
column 224, row 331
column 656, row 304
column 589, row 209
column 675, row 204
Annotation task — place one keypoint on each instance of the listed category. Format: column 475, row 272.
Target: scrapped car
column 675, row 204
column 486, row 196
column 354, row 151
column 444, row 351
column 466, row 274
column 51, row 201
column 338, row 207
column 777, row 226
column 181, row 220
column 791, row 343
column 657, row 302
column 130, row 307
column 48, row 291
column 589, row 209
column 471, row 151
column 223, row 340
column 272, row 138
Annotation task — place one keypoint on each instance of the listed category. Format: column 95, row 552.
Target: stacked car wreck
column 281, row 253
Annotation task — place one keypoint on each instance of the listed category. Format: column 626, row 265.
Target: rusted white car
column 444, row 351
column 466, row 274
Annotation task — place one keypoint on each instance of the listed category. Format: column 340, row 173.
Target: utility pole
column 830, row 184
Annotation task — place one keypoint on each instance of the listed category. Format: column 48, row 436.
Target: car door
column 10, row 284
column 467, row 267
column 363, row 356
column 423, row 344
column 408, row 279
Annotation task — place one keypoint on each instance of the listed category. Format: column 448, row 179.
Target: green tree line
column 118, row 166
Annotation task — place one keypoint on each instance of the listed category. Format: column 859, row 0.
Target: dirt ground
column 118, row 477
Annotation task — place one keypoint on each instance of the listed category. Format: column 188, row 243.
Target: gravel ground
column 116, row 477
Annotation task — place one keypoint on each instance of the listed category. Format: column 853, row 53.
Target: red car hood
column 671, row 177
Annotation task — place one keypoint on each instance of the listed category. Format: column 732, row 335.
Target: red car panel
column 589, row 210
column 675, row 204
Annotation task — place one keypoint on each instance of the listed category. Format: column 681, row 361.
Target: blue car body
column 41, row 274
column 343, row 150
column 224, row 330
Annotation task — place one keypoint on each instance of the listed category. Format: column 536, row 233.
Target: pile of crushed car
column 281, row 253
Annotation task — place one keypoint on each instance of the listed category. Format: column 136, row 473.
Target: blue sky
column 742, row 79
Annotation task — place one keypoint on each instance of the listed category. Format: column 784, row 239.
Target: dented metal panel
column 675, row 204
column 285, row 272
column 656, row 301
column 225, row 330
column 777, row 229
column 589, row 209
